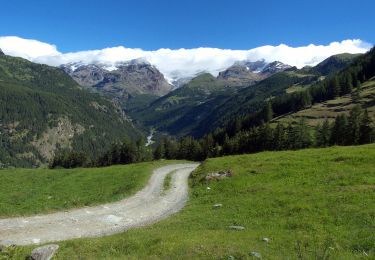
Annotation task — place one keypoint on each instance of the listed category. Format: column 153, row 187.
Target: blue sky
column 150, row 25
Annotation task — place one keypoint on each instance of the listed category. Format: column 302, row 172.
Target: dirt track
column 147, row 206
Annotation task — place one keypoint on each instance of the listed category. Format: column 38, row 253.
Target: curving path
column 147, row 206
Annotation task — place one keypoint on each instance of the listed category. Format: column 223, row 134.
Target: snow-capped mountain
column 129, row 78
column 245, row 73
column 120, row 79
column 275, row 67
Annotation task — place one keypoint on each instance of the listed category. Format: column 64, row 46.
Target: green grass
column 332, row 108
column 312, row 204
column 167, row 182
column 34, row 191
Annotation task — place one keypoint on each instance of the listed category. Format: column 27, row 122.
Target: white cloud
column 181, row 62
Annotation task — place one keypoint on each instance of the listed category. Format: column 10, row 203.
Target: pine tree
column 267, row 112
column 306, row 99
column 347, row 84
column 171, row 148
column 303, row 137
column 265, row 137
column 339, row 130
column 208, row 146
column 334, row 87
column 279, row 137
column 366, row 130
column 323, row 134
column 159, row 151
column 291, row 137
column 354, row 125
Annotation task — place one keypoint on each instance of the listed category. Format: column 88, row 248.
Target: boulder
column 216, row 206
column 219, row 175
column 237, row 227
column 255, row 254
column 44, row 252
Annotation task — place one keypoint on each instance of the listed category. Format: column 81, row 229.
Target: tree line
column 254, row 133
column 354, row 129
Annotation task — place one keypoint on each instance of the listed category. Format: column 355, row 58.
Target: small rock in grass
column 231, row 257
column 6, row 243
column 256, row 254
column 266, row 239
column 216, row 206
column 44, row 252
column 208, row 188
column 237, row 227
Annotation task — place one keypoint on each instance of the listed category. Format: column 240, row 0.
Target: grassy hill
column 334, row 63
column 42, row 110
column 308, row 204
column 36, row 191
column 332, row 108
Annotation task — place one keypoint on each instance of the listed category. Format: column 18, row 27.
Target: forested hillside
column 206, row 102
column 267, row 127
column 42, row 110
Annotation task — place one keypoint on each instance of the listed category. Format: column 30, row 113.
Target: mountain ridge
column 44, row 111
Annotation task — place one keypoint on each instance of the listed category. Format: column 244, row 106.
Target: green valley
column 309, row 204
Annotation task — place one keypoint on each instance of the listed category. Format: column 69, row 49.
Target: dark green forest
column 35, row 98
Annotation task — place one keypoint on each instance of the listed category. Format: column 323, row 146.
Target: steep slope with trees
column 253, row 131
column 207, row 102
column 42, row 111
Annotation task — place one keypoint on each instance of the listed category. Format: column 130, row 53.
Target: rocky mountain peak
column 275, row 67
column 253, row 66
column 1, row 52
column 120, row 79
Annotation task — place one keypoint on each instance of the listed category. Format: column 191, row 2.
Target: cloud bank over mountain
column 180, row 63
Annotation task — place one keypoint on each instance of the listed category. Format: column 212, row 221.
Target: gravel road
column 146, row 207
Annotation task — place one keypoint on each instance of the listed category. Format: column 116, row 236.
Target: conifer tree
column 339, row 130
column 323, row 134
column 366, row 130
column 279, row 137
column 354, row 125
column 159, row 152
column 267, row 112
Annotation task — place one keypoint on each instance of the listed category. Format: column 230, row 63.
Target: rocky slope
column 246, row 73
column 121, row 80
column 42, row 110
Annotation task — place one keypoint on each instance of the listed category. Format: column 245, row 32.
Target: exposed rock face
column 124, row 79
column 275, row 67
column 44, row 252
column 85, row 75
column 58, row 136
column 241, row 74
column 246, row 73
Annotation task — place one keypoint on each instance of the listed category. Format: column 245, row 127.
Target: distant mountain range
column 206, row 102
column 121, row 80
column 138, row 77
column 44, row 109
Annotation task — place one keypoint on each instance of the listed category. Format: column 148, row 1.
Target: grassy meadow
column 36, row 191
column 331, row 108
column 308, row 204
